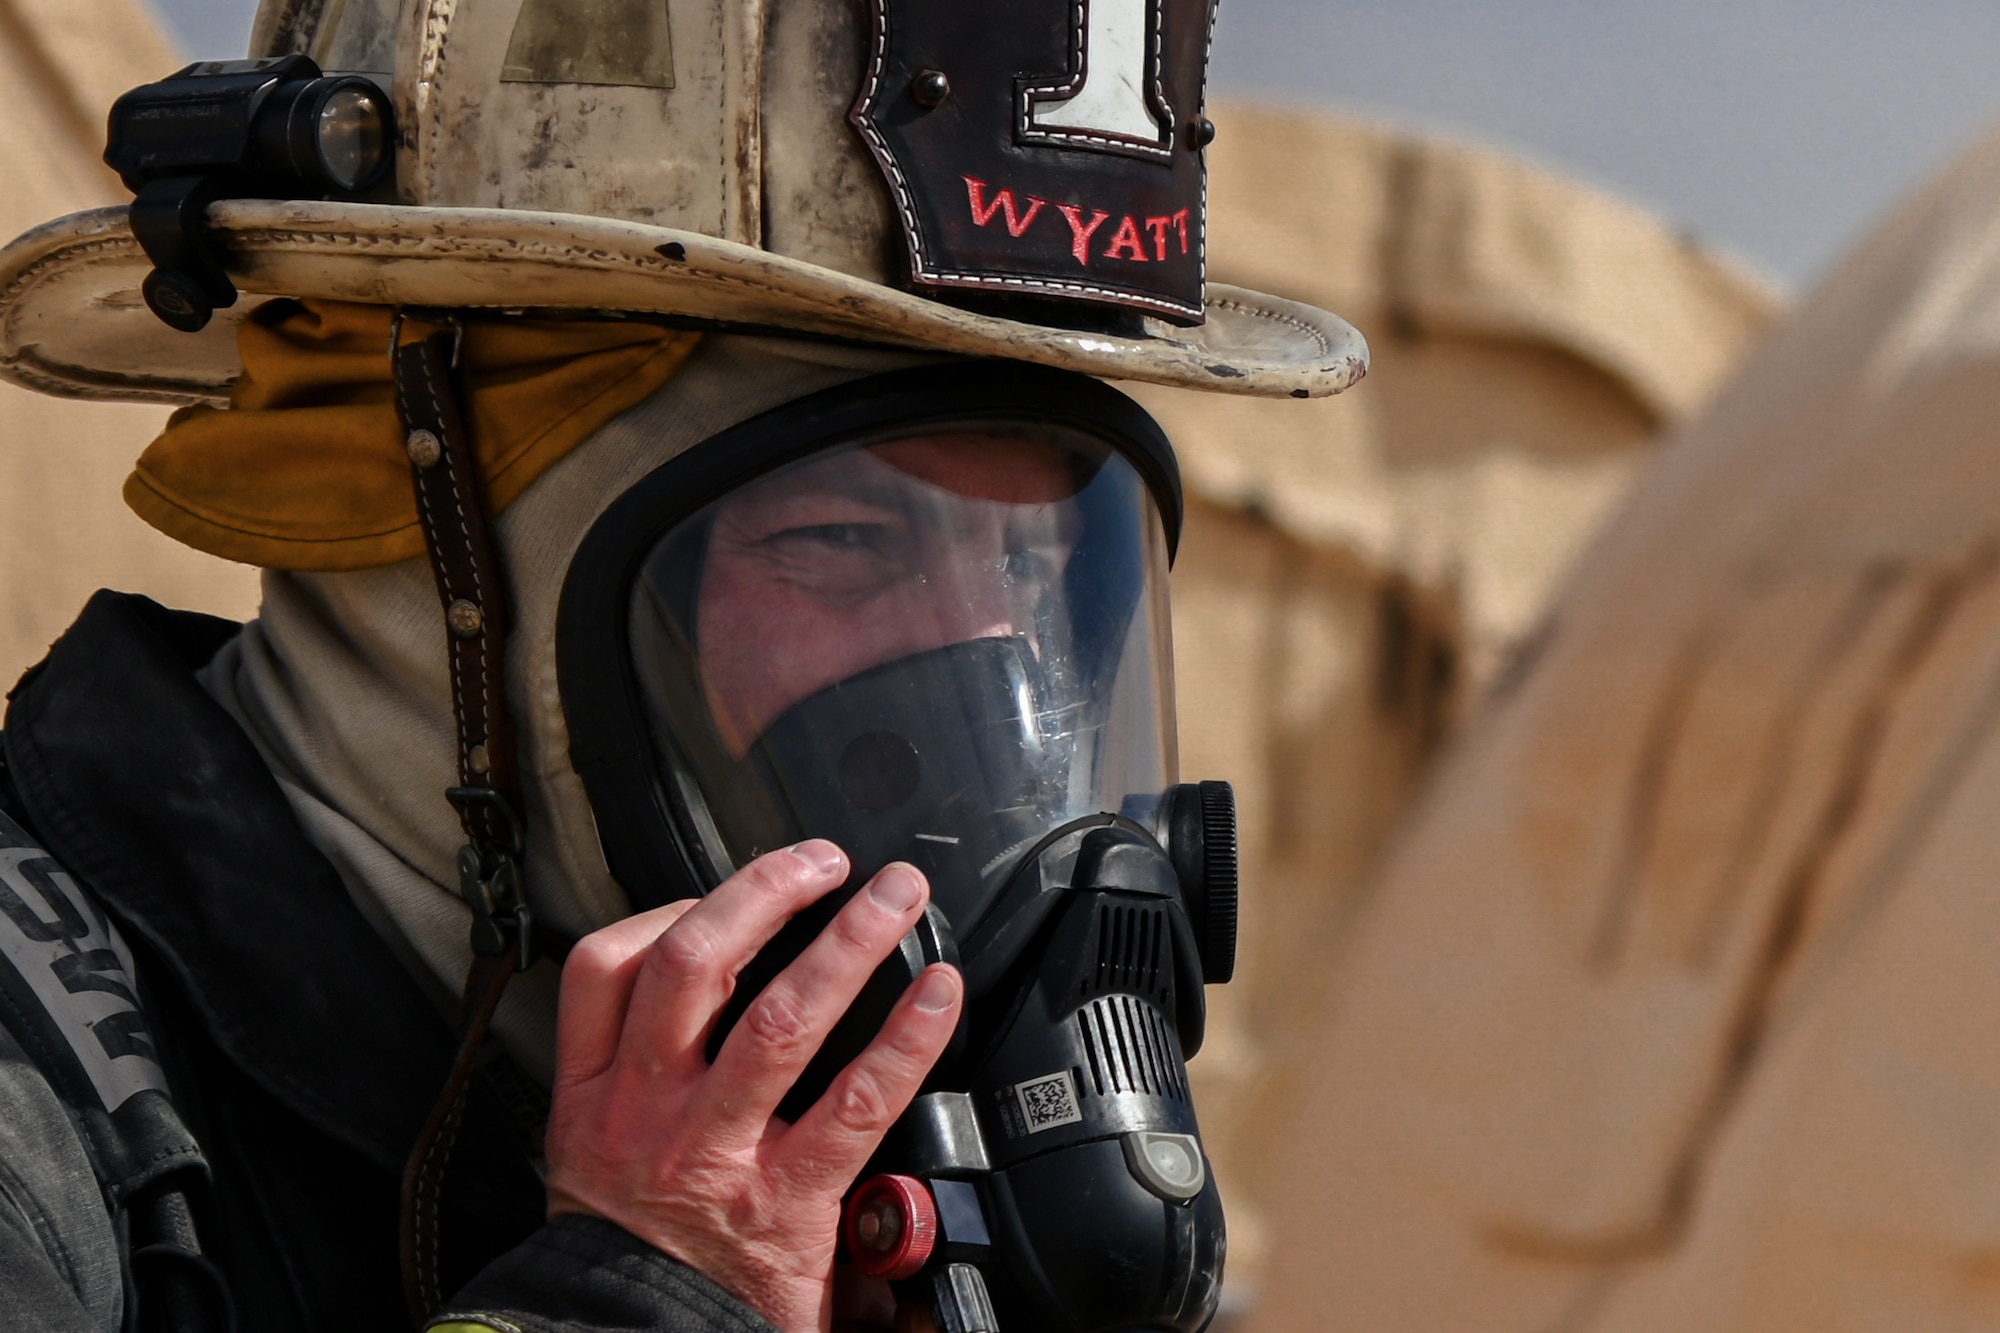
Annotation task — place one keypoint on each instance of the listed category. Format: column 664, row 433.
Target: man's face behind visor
column 852, row 560
column 931, row 644
column 924, row 615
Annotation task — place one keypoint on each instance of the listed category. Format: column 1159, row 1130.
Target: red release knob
column 891, row 1227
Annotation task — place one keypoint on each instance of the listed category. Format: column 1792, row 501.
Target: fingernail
column 937, row 990
column 818, row 853
column 898, row 888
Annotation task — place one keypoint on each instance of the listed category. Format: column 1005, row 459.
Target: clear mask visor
column 936, row 645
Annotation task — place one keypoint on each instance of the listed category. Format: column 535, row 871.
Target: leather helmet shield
column 1045, row 147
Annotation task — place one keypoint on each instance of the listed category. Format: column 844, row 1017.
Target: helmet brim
column 73, row 323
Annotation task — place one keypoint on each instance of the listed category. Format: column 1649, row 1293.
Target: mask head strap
column 457, row 535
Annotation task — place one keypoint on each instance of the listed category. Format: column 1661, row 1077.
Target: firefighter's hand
column 690, row 1157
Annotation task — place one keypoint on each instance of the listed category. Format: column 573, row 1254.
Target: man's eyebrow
column 887, row 491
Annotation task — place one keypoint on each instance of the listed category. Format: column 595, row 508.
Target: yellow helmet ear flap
column 316, row 375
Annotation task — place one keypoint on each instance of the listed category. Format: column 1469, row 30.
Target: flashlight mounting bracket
column 188, row 283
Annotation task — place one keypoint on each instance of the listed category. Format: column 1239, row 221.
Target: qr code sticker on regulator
column 1047, row 1102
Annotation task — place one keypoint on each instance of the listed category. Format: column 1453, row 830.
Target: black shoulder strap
column 67, row 995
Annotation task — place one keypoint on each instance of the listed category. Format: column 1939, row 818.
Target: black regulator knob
column 1201, row 839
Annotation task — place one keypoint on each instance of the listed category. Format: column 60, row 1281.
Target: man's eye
column 846, row 536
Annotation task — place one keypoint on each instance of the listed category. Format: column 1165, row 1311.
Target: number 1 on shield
column 1111, row 99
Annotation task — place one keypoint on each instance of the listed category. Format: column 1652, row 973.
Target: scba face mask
column 925, row 616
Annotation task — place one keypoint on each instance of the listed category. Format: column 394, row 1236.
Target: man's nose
column 984, row 605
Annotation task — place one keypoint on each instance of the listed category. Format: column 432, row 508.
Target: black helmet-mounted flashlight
column 237, row 129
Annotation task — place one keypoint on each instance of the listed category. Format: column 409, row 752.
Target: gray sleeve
column 59, row 1261
column 583, row 1275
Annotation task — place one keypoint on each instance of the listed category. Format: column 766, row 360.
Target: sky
column 1775, row 130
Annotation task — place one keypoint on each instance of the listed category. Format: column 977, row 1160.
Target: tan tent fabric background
column 1354, row 573
column 1677, row 1008
column 64, row 531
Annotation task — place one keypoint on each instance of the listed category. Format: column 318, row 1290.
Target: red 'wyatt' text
column 1126, row 242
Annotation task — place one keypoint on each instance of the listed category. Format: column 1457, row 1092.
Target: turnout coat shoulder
column 301, row 1059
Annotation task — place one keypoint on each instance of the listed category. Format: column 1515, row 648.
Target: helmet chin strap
column 457, row 534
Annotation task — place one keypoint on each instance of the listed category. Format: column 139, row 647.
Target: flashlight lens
column 352, row 137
